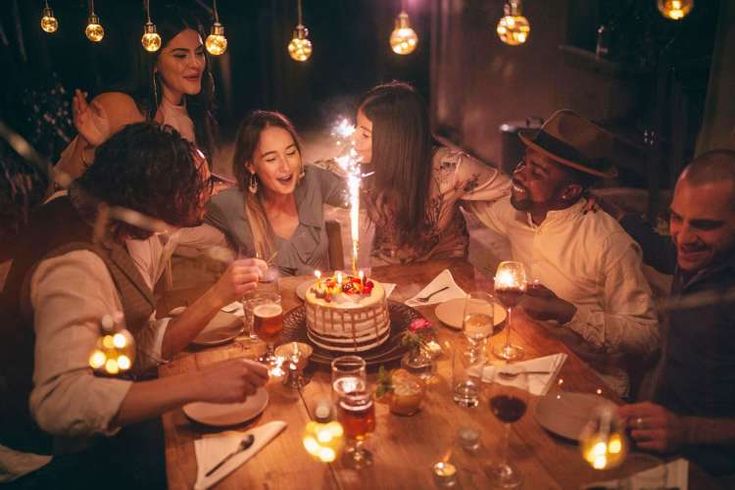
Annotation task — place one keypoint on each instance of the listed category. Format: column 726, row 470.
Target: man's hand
column 231, row 381
column 540, row 303
column 653, row 427
column 90, row 120
column 239, row 278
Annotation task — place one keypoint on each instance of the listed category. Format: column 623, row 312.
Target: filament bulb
column 151, row 41
column 403, row 39
column 300, row 47
column 49, row 23
column 675, row 9
column 216, row 42
column 513, row 28
column 94, row 31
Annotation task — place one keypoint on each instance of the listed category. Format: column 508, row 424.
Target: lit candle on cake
column 353, row 184
column 348, row 161
column 361, row 275
column 338, row 276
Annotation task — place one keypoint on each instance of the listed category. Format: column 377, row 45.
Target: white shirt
column 589, row 261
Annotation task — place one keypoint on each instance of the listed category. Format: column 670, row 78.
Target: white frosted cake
column 350, row 315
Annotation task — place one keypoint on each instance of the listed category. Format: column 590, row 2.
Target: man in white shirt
column 593, row 292
column 72, row 270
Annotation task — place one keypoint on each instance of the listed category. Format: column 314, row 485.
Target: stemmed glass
column 356, row 413
column 268, row 325
column 510, row 285
column 508, row 400
column 477, row 323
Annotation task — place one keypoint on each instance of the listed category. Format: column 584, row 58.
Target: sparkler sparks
column 349, row 162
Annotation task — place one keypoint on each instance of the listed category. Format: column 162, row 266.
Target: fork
column 425, row 299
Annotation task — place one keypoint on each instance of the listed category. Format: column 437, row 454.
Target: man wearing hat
column 593, row 291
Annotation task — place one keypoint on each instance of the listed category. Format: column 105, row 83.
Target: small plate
column 226, row 414
column 303, row 287
column 450, row 313
column 221, row 329
column 566, row 413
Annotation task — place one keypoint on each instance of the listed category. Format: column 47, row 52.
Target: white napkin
column 389, row 287
column 443, row 279
column 670, row 475
column 236, row 308
column 538, row 384
column 212, row 449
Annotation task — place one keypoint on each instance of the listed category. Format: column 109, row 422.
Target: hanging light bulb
column 513, row 28
column 602, row 441
column 403, row 39
column 300, row 46
column 216, row 42
column 49, row 23
column 94, row 30
column 675, row 9
column 151, row 41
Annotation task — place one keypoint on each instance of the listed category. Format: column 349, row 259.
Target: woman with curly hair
column 277, row 210
column 418, row 185
column 172, row 86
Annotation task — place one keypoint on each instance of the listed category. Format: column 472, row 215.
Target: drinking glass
column 508, row 401
column 510, row 285
column 465, row 381
column 477, row 323
column 356, row 413
column 267, row 315
column 348, row 375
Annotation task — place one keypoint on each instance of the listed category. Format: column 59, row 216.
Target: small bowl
column 287, row 349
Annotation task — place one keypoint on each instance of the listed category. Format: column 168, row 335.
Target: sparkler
column 349, row 162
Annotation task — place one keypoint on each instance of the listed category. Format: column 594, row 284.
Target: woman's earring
column 253, row 185
column 302, row 173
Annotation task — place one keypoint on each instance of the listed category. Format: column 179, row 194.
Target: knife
column 246, row 442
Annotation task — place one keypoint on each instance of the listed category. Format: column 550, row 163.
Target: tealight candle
column 445, row 474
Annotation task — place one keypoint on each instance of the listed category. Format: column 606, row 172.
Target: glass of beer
column 268, row 324
column 356, row 413
column 348, row 375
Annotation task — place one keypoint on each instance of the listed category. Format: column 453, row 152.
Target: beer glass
column 268, row 325
column 348, row 375
column 356, row 413
column 477, row 323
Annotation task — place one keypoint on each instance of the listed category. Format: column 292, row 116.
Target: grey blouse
column 306, row 250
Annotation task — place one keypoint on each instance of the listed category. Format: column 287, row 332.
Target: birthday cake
column 347, row 313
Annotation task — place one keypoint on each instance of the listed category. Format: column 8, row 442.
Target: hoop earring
column 253, row 185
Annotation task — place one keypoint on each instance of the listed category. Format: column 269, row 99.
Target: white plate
column 221, row 329
column 566, row 413
column 225, row 414
column 451, row 312
column 303, row 287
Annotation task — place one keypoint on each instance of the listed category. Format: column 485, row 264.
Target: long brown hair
column 248, row 137
column 401, row 152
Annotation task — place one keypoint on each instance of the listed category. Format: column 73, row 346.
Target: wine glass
column 348, row 375
column 510, row 285
column 268, row 325
column 508, row 401
column 477, row 323
column 356, row 413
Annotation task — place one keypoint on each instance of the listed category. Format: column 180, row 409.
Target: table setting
column 394, row 422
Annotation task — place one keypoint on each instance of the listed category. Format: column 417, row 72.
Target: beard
column 520, row 202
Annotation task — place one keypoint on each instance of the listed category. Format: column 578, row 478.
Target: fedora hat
column 571, row 140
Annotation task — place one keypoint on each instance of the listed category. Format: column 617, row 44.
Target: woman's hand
column 90, row 120
column 230, row 381
column 240, row 277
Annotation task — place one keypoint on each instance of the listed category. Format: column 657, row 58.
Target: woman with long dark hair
column 276, row 212
column 171, row 86
column 417, row 186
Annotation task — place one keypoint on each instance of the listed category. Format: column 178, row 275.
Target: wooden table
column 404, row 448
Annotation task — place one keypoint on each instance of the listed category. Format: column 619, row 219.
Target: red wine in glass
column 509, row 296
column 507, row 408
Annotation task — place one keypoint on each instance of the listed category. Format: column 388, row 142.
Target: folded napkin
column 389, row 287
column 234, row 308
column 442, row 280
column 212, row 449
column 538, row 384
column 670, row 475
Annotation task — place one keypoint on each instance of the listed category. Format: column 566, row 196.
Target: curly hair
column 148, row 168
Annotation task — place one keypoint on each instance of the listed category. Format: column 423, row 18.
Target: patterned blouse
column 455, row 177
